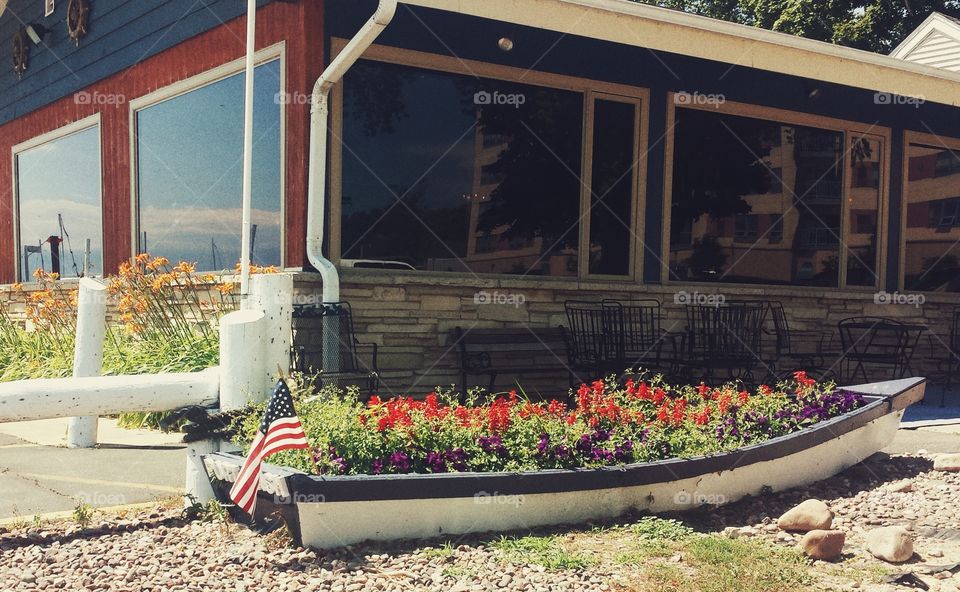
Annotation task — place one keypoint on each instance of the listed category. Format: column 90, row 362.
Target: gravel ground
column 159, row 551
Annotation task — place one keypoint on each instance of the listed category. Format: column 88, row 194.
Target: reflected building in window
column 932, row 254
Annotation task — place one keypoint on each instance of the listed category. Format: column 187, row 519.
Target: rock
column 893, row 544
column 947, row 462
column 826, row 545
column 905, row 486
column 810, row 515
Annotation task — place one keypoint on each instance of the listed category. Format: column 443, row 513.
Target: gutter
column 319, row 120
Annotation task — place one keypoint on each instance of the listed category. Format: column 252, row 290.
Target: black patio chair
column 324, row 342
column 645, row 343
column 593, row 346
column 948, row 364
column 876, row 342
column 725, row 337
column 798, row 350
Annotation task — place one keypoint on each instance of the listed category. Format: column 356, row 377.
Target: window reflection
column 932, row 254
column 755, row 201
column 190, row 152
column 58, row 192
column 451, row 173
column 866, row 156
column 614, row 165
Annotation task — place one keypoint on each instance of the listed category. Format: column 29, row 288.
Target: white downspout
column 319, row 116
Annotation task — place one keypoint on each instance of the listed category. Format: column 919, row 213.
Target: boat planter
column 331, row 511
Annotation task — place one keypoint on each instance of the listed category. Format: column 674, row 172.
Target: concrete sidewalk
column 39, row 476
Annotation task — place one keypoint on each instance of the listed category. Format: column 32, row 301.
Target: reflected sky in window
column 190, row 168
column 60, row 178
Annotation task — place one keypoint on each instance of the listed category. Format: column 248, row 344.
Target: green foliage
column 82, row 514
column 542, row 550
column 872, row 25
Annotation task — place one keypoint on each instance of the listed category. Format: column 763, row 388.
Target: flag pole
column 248, row 151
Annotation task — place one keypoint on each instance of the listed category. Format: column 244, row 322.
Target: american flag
column 279, row 430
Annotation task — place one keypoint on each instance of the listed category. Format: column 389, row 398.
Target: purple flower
column 457, row 459
column 436, row 462
column 543, row 446
column 400, row 462
column 493, row 444
column 376, row 467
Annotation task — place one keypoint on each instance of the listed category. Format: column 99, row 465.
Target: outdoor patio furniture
column 646, row 344
column 876, row 342
column 725, row 337
column 949, row 362
column 594, row 347
column 514, row 351
column 324, row 342
column 798, row 350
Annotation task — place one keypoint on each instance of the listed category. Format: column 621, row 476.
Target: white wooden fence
column 254, row 342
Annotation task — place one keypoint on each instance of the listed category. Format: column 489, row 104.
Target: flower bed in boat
column 609, row 423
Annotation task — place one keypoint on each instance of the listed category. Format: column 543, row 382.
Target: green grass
column 713, row 563
column 444, row 551
column 542, row 550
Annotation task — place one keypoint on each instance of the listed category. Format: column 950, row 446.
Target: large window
column 189, row 172
column 932, row 237
column 58, row 202
column 761, row 202
column 455, row 173
column 866, row 156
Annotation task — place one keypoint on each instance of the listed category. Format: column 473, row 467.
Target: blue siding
column 122, row 33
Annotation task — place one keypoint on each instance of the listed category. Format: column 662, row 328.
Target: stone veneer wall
column 410, row 315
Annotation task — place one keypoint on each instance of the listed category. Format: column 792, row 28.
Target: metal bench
column 516, row 351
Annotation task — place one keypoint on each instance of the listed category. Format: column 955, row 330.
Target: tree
column 872, row 25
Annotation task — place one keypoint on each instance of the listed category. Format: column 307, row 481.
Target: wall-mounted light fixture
column 36, row 32
column 505, row 43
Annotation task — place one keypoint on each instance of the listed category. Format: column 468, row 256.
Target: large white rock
column 810, row 515
column 947, row 462
column 890, row 543
column 826, row 545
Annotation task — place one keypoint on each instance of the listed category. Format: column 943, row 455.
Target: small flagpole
column 248, row 152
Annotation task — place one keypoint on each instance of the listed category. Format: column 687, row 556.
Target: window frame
column 186, row 86
column 76, row 127
column 913, row 137
column 590, row 91
column 849, row 129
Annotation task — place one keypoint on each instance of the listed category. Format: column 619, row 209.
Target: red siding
column 299, row 24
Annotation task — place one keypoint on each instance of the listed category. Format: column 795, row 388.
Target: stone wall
column 411, row 316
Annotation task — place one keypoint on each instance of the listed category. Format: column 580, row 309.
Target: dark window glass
column 932, row 253
column 190, row 173
column 614, row 169
column 453, row 173
column 865, row 157
column 58, row 194
column 725, row 174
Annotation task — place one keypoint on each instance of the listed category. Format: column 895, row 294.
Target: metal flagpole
column 248, row 152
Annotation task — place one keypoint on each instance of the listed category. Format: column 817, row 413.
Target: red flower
column 743, row 397
column 765, row 390
column 374, row 401
column 556, row 408
column 658, row 396
column 498, row 415
column 643, row 392
column 724, row 404
column 703, row 390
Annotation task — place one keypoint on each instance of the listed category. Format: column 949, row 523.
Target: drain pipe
column 319, row 120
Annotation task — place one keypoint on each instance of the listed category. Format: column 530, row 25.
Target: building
column 554, row 149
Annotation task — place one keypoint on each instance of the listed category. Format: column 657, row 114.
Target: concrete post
column 88, row 354
column 273, row 294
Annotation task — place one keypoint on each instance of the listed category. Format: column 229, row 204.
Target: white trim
column 936, row 22
column 263, row 56
column 70, row 129
column 641, row 25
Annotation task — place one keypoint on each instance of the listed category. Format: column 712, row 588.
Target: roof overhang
column 642, row 25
